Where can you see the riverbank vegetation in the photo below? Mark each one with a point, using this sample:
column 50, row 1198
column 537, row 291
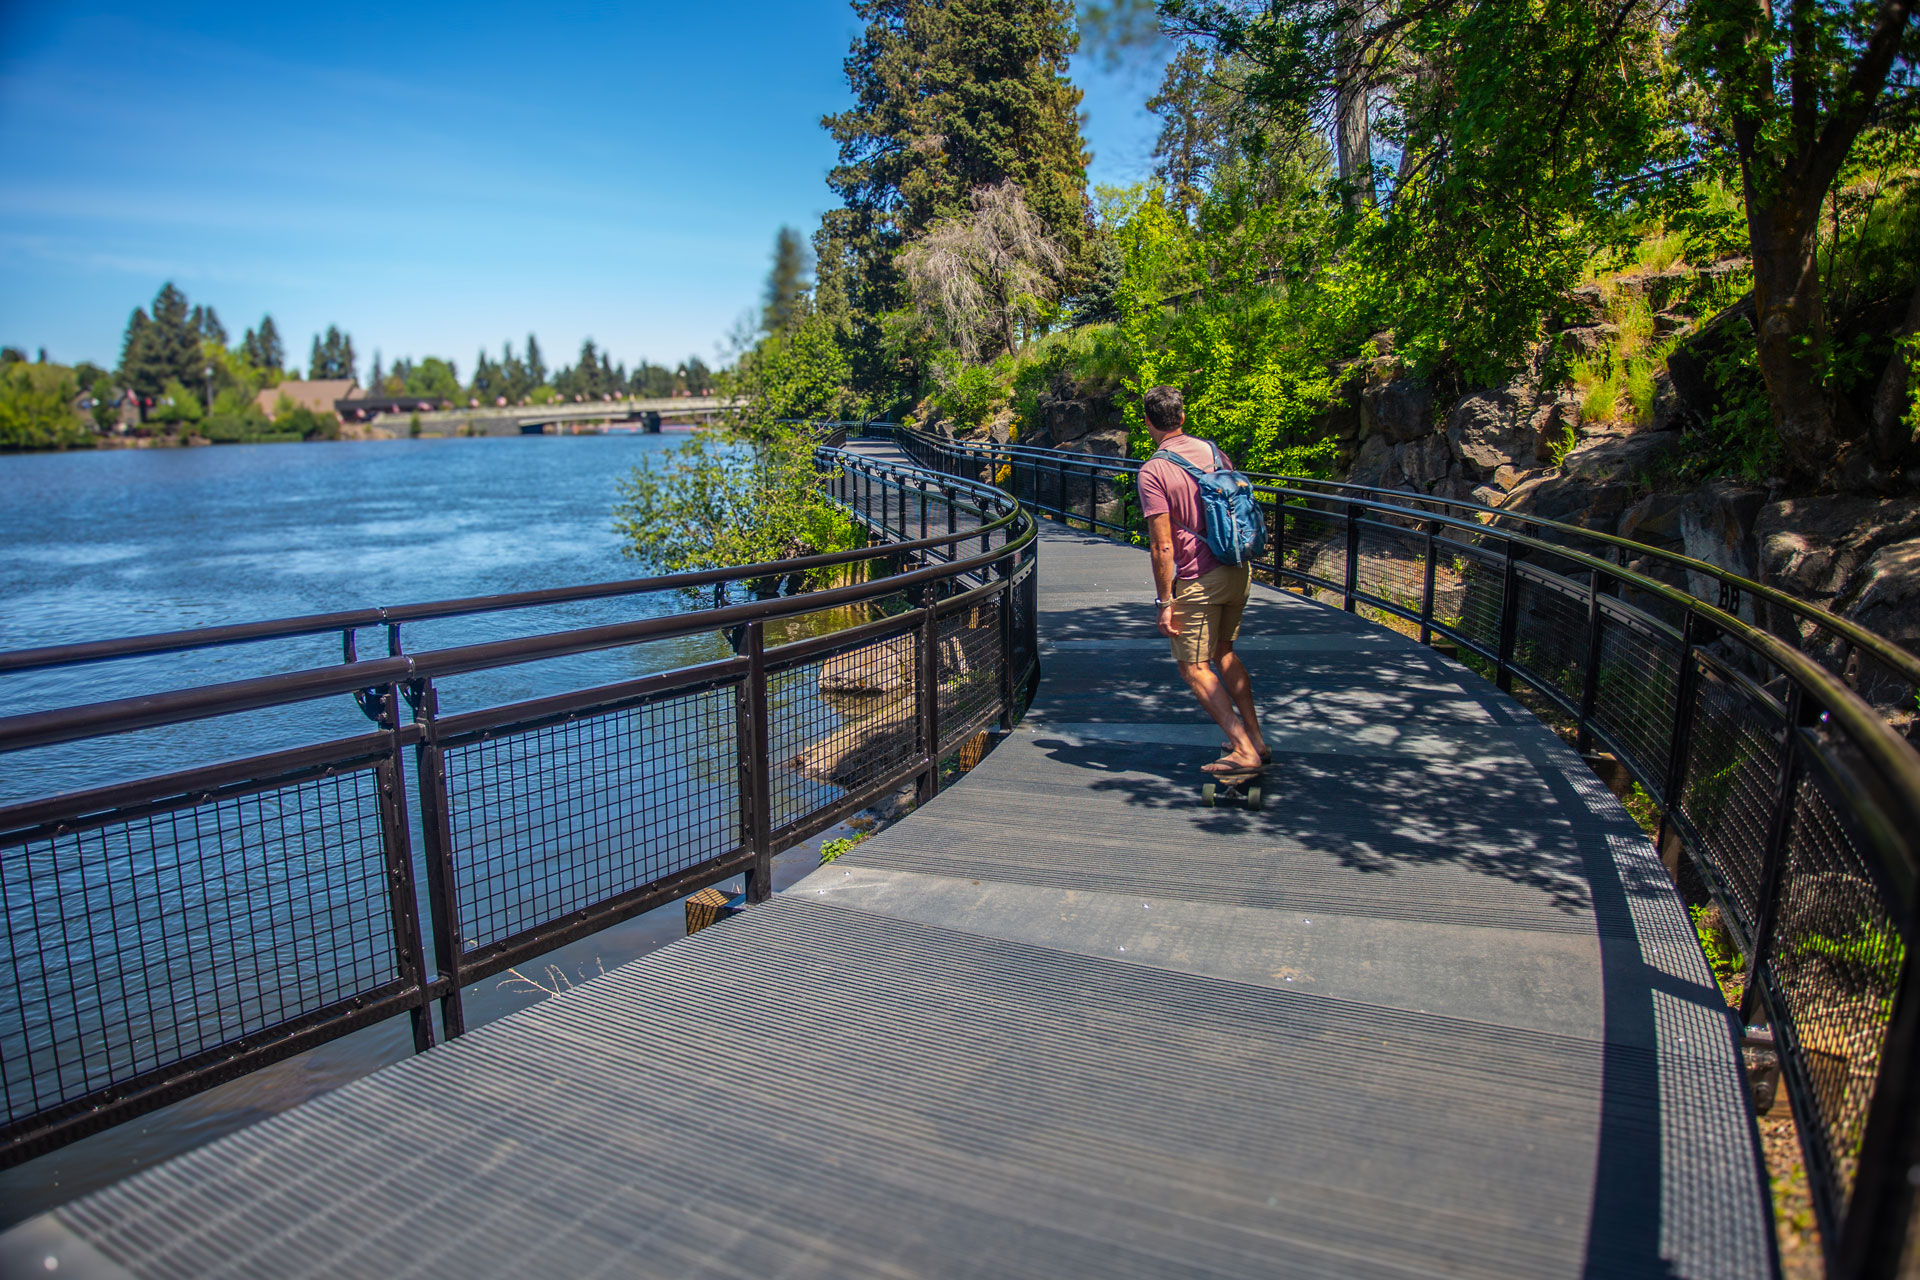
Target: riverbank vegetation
column 1352, row 194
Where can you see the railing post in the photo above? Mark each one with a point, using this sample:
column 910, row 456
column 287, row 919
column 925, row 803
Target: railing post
column 1006, row 646
column 756, row 790
column 1509, row 620
column 1352, row 577
column 1426, row 590
column 401, row 906
column 1682, row 730
column 927, row 786
column 1590, row 678
column 436, row 828
column 921, row 485
column 953, row 522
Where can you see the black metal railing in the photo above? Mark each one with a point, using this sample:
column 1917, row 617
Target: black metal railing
column 1742, row 713
column 168, row 933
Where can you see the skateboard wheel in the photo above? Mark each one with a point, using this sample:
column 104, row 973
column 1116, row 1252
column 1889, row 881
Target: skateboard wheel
column 1253, row 797
column 1209, row 794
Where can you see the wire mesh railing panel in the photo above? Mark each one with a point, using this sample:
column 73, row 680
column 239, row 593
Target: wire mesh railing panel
column 1314, row 543
column 138, row 943
column 969, row 655
column 1728, row 795
column 1638, row 684
column 1391, row 566
column 840, row 725
column 1467, row 588
column 1834, row 964
column 554, row 819
column 1550, row 630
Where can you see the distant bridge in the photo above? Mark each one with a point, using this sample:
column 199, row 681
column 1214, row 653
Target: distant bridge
column 528, row 419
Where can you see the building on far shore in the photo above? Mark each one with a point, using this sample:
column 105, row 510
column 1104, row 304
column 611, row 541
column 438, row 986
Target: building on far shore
column 318, row 396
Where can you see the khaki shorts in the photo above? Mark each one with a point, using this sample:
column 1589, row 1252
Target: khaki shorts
column 1208, row 609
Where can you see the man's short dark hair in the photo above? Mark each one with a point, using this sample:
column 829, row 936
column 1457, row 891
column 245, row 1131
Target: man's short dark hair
column 1165, row 407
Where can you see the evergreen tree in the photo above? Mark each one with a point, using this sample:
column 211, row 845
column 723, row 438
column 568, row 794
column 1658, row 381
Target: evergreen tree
column 162, row 347
column 377, row 378
column 139, row 366
column 787, row 283
column 536, row 366
column 332, row 356
column 948, row 98
column 264, row 348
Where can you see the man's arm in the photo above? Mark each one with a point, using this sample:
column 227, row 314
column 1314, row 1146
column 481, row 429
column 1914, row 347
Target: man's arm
column 1160, row 543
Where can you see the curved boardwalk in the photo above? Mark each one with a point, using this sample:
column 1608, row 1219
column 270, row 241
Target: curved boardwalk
column 1434, row 1011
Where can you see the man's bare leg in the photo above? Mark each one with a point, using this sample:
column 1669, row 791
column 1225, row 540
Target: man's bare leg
column 1243, row 752
column 1239, row 687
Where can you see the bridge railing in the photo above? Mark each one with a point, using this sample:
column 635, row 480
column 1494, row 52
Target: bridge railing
column 1794, row 798
column 171, row 932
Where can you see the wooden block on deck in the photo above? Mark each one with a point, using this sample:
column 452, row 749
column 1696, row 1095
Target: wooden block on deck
column 710, row 906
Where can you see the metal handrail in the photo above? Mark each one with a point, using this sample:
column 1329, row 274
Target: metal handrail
column 1840, row 787
column 59, row 1084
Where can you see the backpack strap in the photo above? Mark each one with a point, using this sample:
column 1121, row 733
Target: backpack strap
column 1191, row 470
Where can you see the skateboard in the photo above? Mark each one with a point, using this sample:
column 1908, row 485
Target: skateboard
column 1242, row 789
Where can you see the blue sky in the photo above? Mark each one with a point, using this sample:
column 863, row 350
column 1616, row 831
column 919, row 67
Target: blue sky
column 432, row 180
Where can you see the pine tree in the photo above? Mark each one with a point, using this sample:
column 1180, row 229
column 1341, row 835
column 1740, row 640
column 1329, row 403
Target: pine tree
column 787, row 283
column 174, row 338
column 536, row 366
column 377, row 377
column 332, row 356
column 271, row 353
column 211, row 329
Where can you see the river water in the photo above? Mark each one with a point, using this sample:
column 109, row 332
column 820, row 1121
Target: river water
column 127, row 542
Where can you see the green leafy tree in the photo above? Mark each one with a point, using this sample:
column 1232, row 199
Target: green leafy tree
column 983, row 274
column 434, row 377
column 1792, row 88
column 36, row 407
column 719, row 500
column 800, row 374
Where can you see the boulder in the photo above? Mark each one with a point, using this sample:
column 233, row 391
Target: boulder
column 1548, row 428
column 1102, row 442
column 1617, row 458
column 1688, row 363
column 1655, row 520
column 1400, row 410
column 1487, row 431
column 1377, row 465
column 1585, row 305
column 1575, row 501
column 1424, row 462
column 1716, row 525
column 1065, row 420
column 1589, row 340
column 1507, row 478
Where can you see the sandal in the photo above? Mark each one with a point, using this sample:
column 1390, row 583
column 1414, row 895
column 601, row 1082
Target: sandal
column 1234, row 773
column 1266, row 754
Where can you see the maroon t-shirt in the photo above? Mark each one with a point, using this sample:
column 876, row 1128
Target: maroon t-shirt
column 1167, row 490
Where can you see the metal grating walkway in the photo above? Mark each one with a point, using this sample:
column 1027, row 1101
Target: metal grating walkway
column 1434, row 1011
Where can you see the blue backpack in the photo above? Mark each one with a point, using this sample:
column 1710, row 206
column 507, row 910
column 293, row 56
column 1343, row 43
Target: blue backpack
column 1231, row 522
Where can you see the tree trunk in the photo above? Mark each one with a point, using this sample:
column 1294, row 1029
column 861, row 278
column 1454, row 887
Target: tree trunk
column 1891, row 434
column 1791, row 329
column 1352, row 139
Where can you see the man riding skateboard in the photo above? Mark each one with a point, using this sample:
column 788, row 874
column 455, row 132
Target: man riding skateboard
column 1199, row 599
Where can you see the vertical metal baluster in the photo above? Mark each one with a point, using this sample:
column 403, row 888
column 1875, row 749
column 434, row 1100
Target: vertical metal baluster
column 1509, row 619
column 1674, row 783
column 1773, row 858
column 1426, row 592
column 408, row 954
column 1353, row 556
column 1006, row 569
column 756, row 796
column 1880, row 1212
column 436, row 829
column 921, row 485
column 1590, row 678
column 928, row 784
